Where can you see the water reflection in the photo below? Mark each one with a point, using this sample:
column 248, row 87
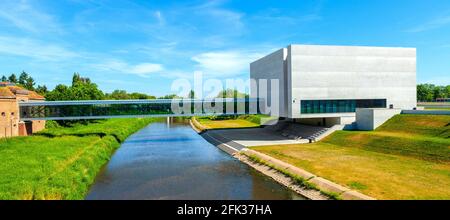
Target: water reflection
column 165, row 161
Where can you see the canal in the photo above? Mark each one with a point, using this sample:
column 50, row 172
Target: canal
column 171, row 161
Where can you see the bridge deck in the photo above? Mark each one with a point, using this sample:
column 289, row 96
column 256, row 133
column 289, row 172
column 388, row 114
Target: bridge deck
column 100, row 109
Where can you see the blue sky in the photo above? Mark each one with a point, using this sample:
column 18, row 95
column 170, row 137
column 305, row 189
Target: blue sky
column 143, row 46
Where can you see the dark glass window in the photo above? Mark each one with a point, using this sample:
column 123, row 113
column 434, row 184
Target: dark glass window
column 122, row 108
column 342, row 105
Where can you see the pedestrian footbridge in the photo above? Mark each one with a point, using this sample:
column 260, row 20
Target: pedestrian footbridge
column 101, row 109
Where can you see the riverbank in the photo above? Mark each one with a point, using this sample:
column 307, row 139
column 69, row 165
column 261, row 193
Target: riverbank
column 278, row 171
column 61, row 162
column 287, row 179
column 246, row 156
column 406, row 158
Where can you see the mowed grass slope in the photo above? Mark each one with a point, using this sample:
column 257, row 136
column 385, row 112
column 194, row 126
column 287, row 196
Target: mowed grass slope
column 424, row 137
column 60, row 163
column 428, row 125
column 226, row 123
column 243, row 121
column 406, row 158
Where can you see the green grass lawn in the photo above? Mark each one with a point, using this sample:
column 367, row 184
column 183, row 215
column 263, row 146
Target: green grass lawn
column 425, row 137
column 60, row 163
column 437, row 109
column 406, row 158
column 244, row 121
column 229, row 123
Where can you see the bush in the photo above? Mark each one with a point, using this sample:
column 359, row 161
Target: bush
column 51, row 124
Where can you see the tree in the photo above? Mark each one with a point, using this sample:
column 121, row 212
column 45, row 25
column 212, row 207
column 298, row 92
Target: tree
column 81, row 89
column 425, row 92
column 86, row 91
column 4, row 79
column 170, row 96
column 439, row 92
column 136, row 95
column 122, row 94
column 117, row 95
column 42, row 89
column 447, row 91
column 59, row 93
column 12, row 78
column 430, row 92
column 23, row 78
column 77, row 79
column 191, row 94
column 29, row 83
column 231, row 93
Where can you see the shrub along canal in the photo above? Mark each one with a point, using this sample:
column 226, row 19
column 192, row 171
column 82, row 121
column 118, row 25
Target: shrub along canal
column 171, row 161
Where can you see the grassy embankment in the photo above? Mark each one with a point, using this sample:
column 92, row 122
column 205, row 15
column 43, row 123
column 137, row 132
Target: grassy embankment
column 61, row 162
column 406, row 158
column 437, row 109
column 244, row 121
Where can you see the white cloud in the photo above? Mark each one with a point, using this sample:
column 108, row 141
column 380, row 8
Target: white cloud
column 226, row 17
column 142, row 69
column 34, row 49
column 145, row 68
column 279, row 17
column 159, row 17
column 434, row 24
column 24, row 16
column 225, row 63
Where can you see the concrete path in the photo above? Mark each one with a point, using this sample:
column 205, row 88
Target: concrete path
column 254, row 137
column 235, row 149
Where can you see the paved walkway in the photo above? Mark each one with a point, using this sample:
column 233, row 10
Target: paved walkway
column 252, row 137
column 234, row 141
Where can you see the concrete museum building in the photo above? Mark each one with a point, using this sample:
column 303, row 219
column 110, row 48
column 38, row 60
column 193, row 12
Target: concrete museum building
column 329, row 85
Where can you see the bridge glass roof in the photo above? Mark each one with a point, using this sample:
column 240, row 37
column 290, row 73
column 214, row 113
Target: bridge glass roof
column 98, row 109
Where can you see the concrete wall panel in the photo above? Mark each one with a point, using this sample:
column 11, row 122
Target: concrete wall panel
column 340, row 72
column 370, row 119
column 272, row 67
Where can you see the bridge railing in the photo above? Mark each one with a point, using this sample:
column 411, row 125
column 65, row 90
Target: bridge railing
column 100, row 109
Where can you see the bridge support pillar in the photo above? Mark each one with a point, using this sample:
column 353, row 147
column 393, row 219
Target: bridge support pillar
column 169, row 121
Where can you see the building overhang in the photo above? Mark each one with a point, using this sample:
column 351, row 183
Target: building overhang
column 328, row 115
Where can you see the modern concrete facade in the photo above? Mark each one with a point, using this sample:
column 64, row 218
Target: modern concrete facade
column 369, row 119
column 316, row 81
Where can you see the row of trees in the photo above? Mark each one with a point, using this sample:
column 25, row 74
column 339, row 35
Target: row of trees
column 83, row 89
column 26, row 81
column 122, row 94
column 226, row 93
column 430, row 92
column 425, row 93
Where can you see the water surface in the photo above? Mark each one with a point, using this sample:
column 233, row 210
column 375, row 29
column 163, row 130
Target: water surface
column 171, row 161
